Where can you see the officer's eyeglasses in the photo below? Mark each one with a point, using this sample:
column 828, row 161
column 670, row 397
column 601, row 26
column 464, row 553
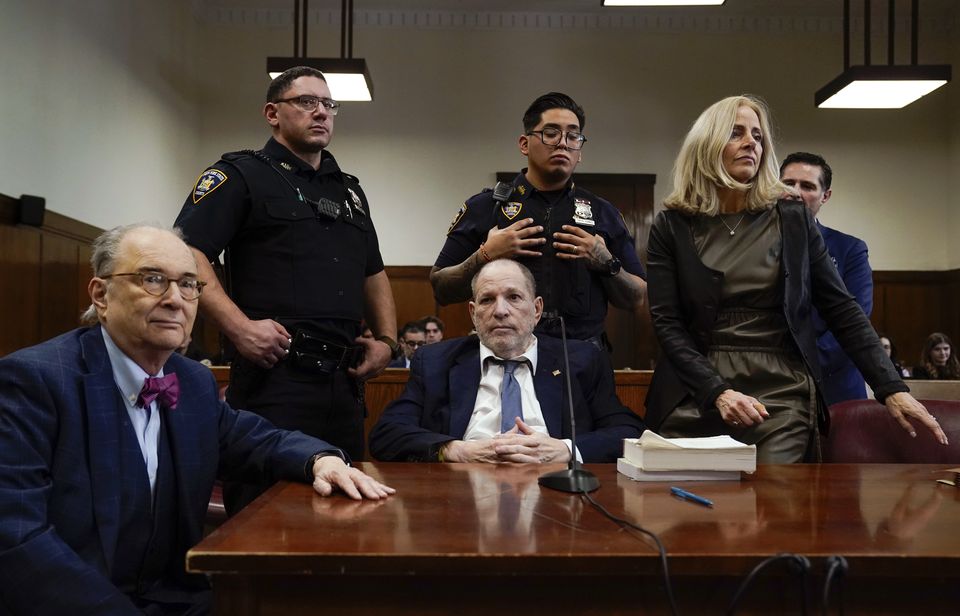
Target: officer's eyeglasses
column 553, row 136
column 157, row 284
column 310, row 103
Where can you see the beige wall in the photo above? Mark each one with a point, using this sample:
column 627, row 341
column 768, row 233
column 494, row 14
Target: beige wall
column 447, row 114
column 97, row 109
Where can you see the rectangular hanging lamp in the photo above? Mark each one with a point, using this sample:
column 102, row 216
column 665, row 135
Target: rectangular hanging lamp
column 881, row 86
column 347, row 77
column 662, row 2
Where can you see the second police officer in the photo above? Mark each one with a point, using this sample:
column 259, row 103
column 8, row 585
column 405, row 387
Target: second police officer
column 575, row 243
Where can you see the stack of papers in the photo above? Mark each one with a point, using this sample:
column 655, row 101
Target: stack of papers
column 714, row 458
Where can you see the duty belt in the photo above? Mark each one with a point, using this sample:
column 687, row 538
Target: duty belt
column 312, row 353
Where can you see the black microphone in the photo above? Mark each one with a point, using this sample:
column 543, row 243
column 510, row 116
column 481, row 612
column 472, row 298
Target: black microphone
column 575, row 478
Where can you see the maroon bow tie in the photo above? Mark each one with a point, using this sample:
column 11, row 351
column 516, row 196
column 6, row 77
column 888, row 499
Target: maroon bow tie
column 165, row 390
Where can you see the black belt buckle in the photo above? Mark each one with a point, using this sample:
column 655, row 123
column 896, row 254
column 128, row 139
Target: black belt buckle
column 313, row 354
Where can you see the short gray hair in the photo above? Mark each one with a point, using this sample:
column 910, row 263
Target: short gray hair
column 106, row 248
column 531, row 284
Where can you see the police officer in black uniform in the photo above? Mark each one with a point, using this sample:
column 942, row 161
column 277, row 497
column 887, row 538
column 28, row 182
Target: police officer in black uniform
column 590, row 260
column 302, row 269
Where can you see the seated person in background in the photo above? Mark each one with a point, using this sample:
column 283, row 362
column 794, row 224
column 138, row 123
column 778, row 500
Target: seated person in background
column 500, row 396
column 937, row 360
column 110, row 444
column 433, row 326
column 891, row 351
column 412, row 337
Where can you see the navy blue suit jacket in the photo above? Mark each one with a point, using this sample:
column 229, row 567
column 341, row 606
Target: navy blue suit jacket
column 60, row 429
column 841, row 379
column 398, row 362
column 438, row 401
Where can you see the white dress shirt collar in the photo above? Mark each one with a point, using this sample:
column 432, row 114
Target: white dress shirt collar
column 530, row 355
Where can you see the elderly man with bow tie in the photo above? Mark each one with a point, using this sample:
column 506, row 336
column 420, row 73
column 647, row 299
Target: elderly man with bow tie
column 110, row 444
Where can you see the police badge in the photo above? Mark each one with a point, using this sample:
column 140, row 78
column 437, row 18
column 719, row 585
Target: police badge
column 583, row 213
column 357, row 203
column 209, row 181
column 511, row 209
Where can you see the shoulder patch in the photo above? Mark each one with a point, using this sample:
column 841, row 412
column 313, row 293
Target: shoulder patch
column 456, row 219
column 511, row 209
column 209, row 181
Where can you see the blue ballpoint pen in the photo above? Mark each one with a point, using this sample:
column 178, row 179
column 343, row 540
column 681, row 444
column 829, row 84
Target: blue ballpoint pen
column 690, row 496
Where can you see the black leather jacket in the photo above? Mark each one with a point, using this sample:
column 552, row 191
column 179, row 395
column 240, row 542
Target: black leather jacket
column 685, row 296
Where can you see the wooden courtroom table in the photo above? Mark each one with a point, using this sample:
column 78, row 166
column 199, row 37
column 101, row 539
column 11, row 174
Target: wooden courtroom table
column 474, row 539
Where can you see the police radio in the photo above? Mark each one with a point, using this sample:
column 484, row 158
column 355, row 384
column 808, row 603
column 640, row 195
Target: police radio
column 502, row 192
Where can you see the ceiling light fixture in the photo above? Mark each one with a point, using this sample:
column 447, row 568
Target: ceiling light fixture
column 881, row 86
column 347, row 77
column 662, row 2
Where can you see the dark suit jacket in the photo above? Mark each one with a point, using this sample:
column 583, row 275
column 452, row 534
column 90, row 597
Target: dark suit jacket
column 841, row 379
column 60, row 428
column 438, row 401
column 398, row 362
column 685, row 297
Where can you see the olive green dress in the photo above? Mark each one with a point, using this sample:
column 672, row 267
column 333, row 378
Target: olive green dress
column 750, row 345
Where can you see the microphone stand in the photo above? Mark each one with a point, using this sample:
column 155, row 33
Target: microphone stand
column 575, row 479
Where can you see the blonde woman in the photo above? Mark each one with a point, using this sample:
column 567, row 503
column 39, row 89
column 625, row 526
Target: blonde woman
column 733, row 273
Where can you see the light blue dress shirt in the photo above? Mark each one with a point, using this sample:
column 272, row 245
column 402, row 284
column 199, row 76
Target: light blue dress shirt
column 129, row 378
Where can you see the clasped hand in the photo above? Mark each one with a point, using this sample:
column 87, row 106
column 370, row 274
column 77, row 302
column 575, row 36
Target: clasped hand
column 521, row 444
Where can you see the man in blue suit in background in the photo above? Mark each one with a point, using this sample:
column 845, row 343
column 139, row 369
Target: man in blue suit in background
column 110, row 444
column 811, row 176
column 500, row 396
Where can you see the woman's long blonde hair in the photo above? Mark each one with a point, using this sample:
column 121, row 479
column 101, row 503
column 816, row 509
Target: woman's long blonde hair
column 698, row 171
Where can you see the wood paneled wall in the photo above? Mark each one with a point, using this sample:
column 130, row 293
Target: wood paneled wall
column 909, row 306
column 43, row 276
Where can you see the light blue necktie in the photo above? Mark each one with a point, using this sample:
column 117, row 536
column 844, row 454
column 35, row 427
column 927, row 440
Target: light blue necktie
column 510, row 404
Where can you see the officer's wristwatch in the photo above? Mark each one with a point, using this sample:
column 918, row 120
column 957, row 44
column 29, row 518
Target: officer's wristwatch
column 612, row 267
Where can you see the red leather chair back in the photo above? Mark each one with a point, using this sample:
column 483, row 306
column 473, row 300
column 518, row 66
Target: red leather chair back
column 864, row 431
